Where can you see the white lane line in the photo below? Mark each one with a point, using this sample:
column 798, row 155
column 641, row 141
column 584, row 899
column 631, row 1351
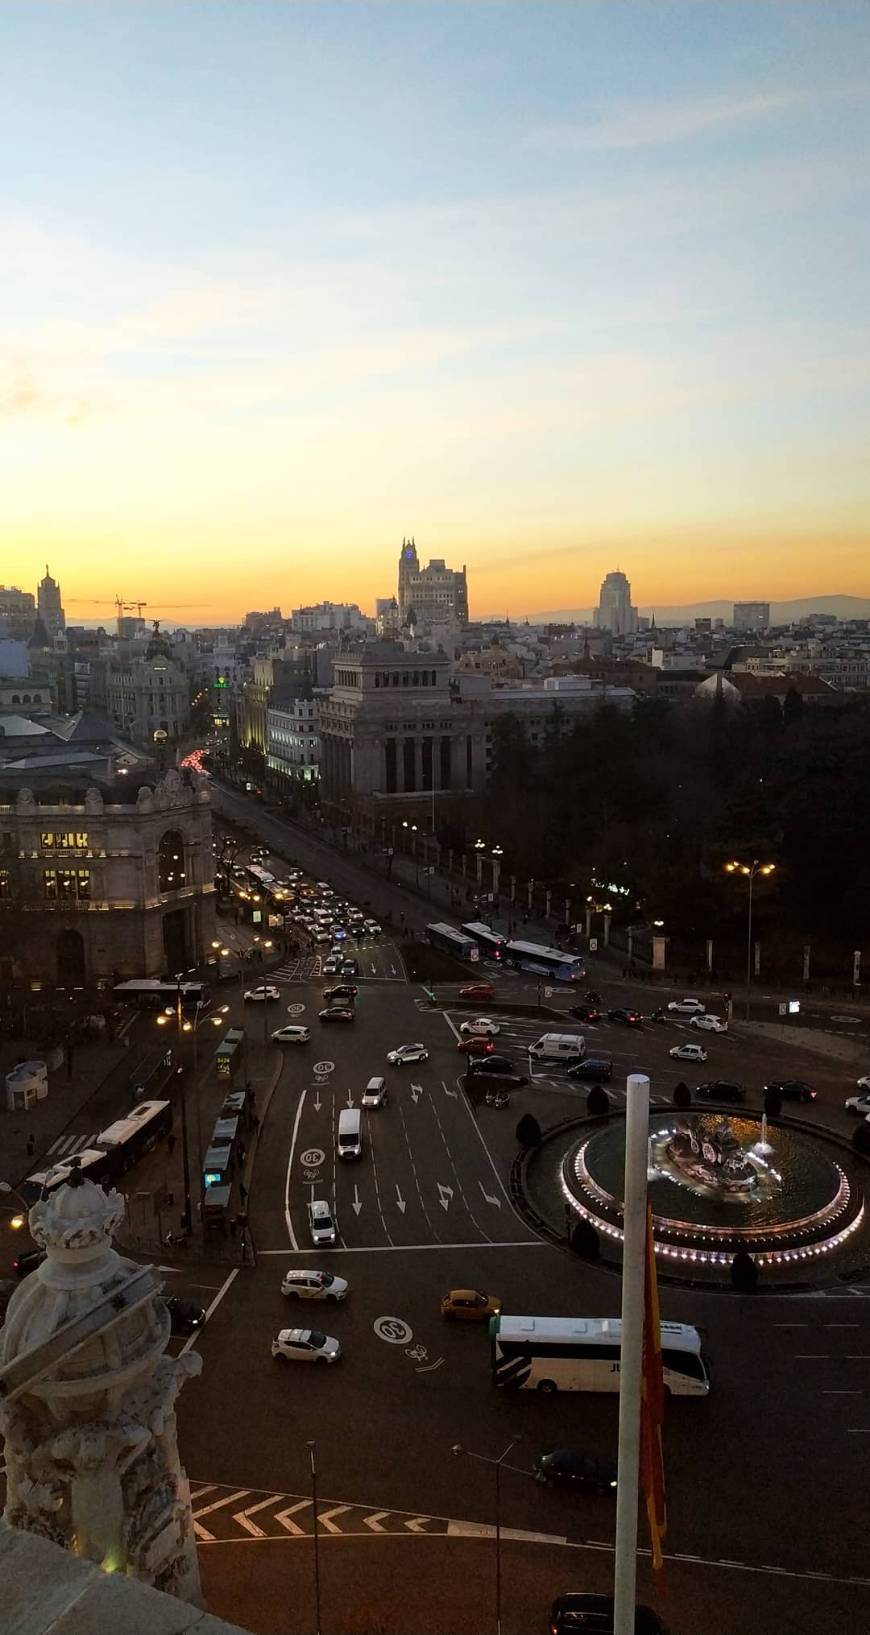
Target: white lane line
column 842, row 1393
column 398, row 1248
column 220, row 1504
column 432, row 1228
column 287, row 1216
column 454, row 1030
column 476, row 1127
column 841, row 1325
column 192, row 1338
column 375, row 1179
column 471, row 1215
column 201, row 1491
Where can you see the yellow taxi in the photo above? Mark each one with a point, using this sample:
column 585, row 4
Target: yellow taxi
column 470, row 1305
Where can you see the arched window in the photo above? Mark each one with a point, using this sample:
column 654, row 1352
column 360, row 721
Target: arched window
column 170, row 861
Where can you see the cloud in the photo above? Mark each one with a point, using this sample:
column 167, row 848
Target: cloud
column 653, row 124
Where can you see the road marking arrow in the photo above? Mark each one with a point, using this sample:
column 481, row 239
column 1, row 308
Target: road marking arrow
column 418, row 1525
column 488, row 1196
column 242, row 1516
column 357, row 1201
column 451, row 1093
column 317, row 1102
column 323, row 1519
column 429, row 1368
column 444, row 1195
column 416, row 1092
column 350, row 1098
column 283, row 1517
column 374, row 1522
column 400, row 1200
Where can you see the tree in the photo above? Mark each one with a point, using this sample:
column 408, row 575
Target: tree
column 528, row 1131
column 597, row 1101
column 744, row 1271
column 793, row 707
column 682, row 1095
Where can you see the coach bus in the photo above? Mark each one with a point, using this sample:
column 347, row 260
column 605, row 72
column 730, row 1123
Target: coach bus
column 583, row 1354
column 452, row 942
column 490, row 943
column 553, row 963
column 155, row 993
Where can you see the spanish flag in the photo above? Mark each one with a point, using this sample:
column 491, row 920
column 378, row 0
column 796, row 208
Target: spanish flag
column 652, row 1473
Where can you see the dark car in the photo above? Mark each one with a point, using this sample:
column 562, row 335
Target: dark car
column 495, row 1067
column 341, row 990
column 349, row 967
column 27, row 1261
column 594, row 1614
column 337, row 1013
column 792, row 1089
column 596, row 1068
column 631, row 1019
column 185, row 1315
column 585, row 1013
column 721, row 1090
column 581, row 1472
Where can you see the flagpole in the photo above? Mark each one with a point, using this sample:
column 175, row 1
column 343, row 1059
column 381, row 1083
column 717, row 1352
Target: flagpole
column 631, row 1351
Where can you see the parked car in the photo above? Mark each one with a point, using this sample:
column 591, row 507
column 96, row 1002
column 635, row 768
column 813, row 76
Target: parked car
column 864, row 1083
column 496, row 1067
column 631, row 1019
column 477, row 990
column 320, row 1222
column 686, row 1007
column 341, row 990
column 585, row 1013
column 792, row 1089
column 470, row 1305
column 688, row 1053
column 185, row 1315
column 301, row 1285
column 598, row 1069
column 721, row 1090
column 481, row 1026
column 709, row 1023
column 859, row 1104
column 27, row 1261
column 579, row 1614
column 407, row 1053
column 266, row 992
column 305, row 1345
column 479, row 1046
column 337, row 1013
column 581, row 1472
column 292, row 1034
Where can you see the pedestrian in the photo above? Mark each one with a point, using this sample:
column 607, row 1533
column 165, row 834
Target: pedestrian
column 243, row 1193
column 31, row 1145
column 170, row 1142
column 242, row 1152
column 255, row 1120
column 233, row 1226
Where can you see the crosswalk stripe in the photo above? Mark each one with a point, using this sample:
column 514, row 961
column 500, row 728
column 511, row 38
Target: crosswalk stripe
column 55, row 1145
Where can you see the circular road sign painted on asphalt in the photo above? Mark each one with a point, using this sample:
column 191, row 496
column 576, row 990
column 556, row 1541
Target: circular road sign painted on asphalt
column 312, row 1157
column 295, row 1010
column 393, row 1329
column 323, row 1067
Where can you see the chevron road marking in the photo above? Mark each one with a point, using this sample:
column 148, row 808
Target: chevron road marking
column 417, row 1525
column 324, row 1517
column 243, row 1516
column 219, row 1504
column 374, row 1522
column 283, row 1517
column 202, row 1491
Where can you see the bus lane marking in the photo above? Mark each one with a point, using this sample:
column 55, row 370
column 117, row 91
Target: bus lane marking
column 450, row 1160
column 429, row 1223
column 287, row 1216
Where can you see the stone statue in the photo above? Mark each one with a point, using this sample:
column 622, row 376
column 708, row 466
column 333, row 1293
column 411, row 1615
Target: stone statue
column 89, row 1423
column 93, row 802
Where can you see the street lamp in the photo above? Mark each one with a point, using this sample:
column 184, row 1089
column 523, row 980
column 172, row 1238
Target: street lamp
column 184, row 1025
column 17, row 1221
column 311, row 1446
column 458, row 1450
column 750, row 870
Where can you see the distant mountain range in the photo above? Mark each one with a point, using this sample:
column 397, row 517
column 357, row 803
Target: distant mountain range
column 844, row 607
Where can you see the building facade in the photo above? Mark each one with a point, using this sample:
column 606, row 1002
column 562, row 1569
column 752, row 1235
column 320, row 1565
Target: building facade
column 751, row 615
column 614, row 611
column 149, row 699
column 433, row 595
column 17, row 612
column 292, row 740
column 49, row 605
column 92, row 890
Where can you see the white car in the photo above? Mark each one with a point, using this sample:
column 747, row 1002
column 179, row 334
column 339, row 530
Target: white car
column 320, row 1222
column 688, row 1053
column 373, row 928
column 375, row 1093
column 291, row 1035
column 258, row 995
column 332, row 965
column 300, row 1285
column 709, row 1023
column 864, row 1084
column 859, row 1104
column 407, row 1053
column 686, row 1007
column 305, row 1345
column 483, row 1027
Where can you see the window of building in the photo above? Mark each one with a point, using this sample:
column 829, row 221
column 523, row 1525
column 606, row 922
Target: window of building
column 66, row 840
column 67, row 885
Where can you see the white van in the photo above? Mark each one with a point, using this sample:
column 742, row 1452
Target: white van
column 350, row 1135
column 556, row 1047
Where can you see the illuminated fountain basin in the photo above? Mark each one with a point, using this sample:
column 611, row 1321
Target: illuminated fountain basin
column 716, row 1187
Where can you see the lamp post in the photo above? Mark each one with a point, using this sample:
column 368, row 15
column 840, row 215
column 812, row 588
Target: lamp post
column 184, row 1025
column 479, row 847
column 458, row 1450
column 497, row 855
column 311, row 1453
column 750, row 870
column 17, row 1221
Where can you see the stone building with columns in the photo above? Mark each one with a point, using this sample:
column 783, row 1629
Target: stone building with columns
column 92, row 885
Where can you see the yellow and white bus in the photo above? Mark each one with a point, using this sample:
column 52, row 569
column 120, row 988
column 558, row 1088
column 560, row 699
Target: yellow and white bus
column 583, row 1354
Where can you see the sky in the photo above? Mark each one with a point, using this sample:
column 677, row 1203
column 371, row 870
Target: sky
column 553, row 288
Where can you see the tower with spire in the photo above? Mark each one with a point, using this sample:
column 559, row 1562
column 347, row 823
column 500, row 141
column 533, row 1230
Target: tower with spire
column 49, row 605
column 409, row 567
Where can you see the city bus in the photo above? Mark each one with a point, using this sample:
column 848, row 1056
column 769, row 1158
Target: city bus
column 129, row 1138
column 452, row 942
column 155, row 993
column 553, row 963
column 583, row 1353
column 230, row 1054
column 92, row 1162
column 490, row 943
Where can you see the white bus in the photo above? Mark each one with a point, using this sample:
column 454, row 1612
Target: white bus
column 582, row 1354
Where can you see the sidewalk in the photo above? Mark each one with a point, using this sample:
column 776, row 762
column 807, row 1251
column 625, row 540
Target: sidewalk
column 94, row 1066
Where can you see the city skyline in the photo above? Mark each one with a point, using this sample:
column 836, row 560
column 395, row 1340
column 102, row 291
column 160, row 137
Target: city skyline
column 298, row 281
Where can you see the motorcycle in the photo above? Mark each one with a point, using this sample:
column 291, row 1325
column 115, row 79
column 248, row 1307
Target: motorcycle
column 497, row 1098
column 592, row 997
column 659, row 1015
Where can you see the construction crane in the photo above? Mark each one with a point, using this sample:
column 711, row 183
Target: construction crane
column 121, row 607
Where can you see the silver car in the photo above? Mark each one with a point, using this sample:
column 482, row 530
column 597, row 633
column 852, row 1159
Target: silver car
column 301, row 1285
column 305, row 1345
